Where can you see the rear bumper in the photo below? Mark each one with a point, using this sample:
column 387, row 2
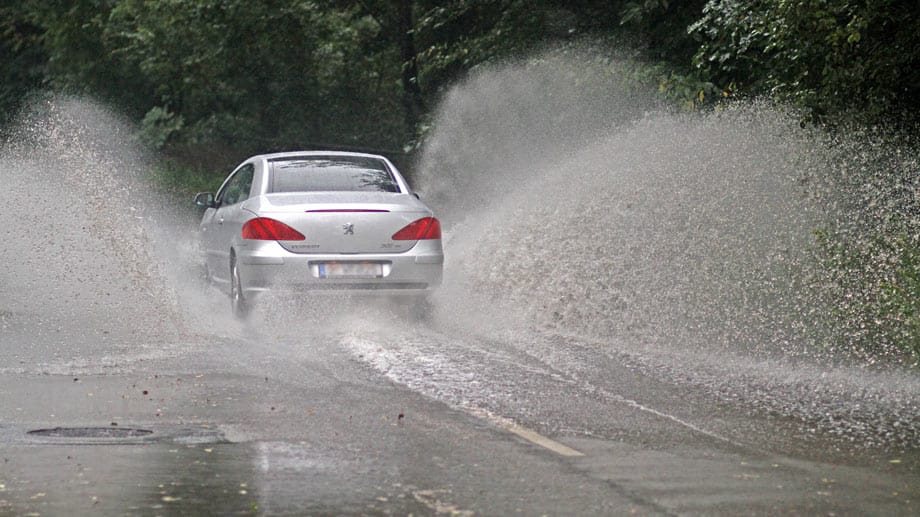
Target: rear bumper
column 266, row 266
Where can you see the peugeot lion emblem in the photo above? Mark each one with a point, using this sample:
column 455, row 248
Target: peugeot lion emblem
column 349, row 228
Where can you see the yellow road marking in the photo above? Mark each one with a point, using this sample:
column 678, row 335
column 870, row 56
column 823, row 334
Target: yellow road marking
column 531, row 436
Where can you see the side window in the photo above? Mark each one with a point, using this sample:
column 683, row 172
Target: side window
column 237, row 189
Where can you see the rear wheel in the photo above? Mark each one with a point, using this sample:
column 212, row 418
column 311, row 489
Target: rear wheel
column 238, row 301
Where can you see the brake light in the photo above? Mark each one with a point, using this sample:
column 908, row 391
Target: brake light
column 265, row 229
column 424, row 228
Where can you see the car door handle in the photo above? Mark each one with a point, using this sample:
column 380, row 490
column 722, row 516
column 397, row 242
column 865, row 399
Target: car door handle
column 220, row 221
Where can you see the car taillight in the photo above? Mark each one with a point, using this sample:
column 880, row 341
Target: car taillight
column 265, row 229
column 425, row 228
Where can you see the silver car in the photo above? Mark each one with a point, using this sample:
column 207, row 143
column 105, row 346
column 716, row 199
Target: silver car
column 319, row 221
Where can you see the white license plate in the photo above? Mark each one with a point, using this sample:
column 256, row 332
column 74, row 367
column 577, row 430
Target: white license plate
column 348, row 270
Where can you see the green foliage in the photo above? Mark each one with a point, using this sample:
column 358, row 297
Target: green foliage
column 456, row 38
column 79, row 61
column 183, row 181
column 281, row 75
column 834, row 59
column 158, row 126
column 252, row 76
column 634, row 12
column 23, row 61
column 688, row 91
column 661, row 27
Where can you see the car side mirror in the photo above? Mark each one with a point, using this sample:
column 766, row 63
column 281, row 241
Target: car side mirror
column 205, row 199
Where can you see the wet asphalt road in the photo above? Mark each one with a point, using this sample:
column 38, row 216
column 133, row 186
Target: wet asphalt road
column 266, row 419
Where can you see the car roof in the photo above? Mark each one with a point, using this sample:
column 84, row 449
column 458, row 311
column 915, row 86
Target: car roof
column 295, row 154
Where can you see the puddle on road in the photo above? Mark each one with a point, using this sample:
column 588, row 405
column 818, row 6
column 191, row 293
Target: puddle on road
column 161, row 477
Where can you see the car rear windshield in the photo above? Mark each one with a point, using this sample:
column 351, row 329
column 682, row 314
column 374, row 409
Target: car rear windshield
column 331, row 174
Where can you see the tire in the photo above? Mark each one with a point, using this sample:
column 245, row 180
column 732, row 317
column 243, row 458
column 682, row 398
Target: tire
column 238, row 302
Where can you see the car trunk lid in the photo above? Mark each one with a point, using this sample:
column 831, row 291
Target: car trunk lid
column 359, row 223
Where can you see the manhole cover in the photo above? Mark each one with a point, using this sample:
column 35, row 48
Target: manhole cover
column 144, row 434
column 90, row 432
